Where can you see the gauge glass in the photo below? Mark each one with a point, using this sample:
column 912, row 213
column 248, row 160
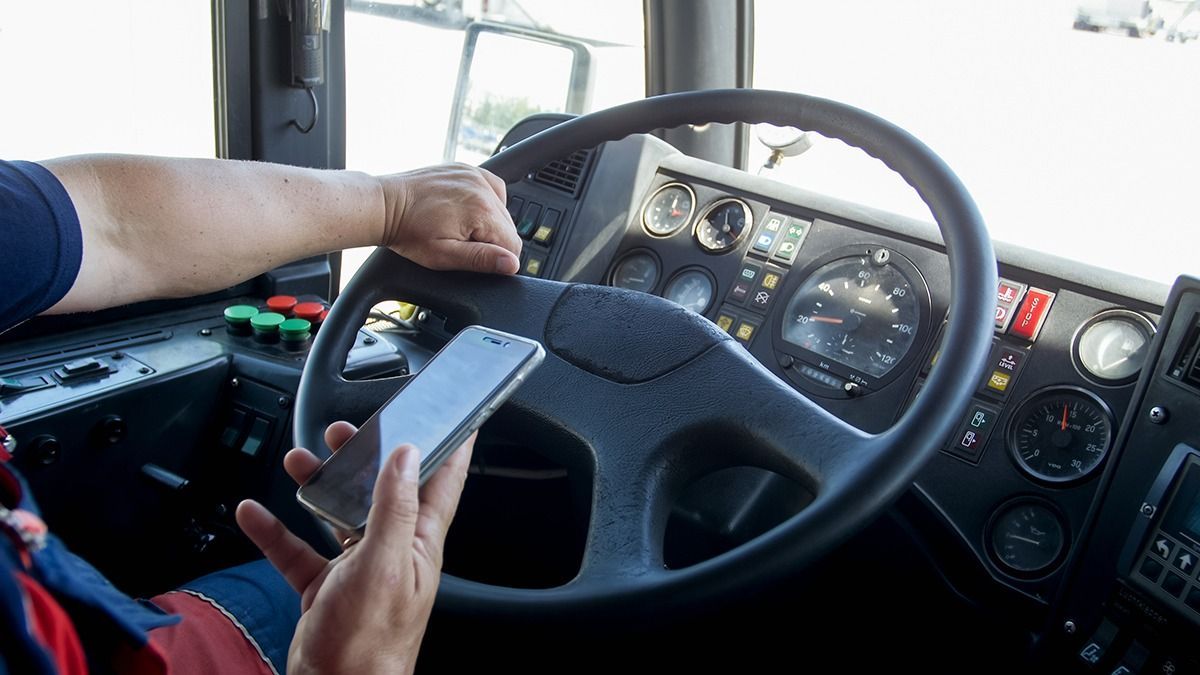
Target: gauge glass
column 1027, row 537
column 1113, row 346
column 1061, row 435
column 722, row 225
column 691, row 288
column 855, row 312
column 637, row 272
column 669, row 209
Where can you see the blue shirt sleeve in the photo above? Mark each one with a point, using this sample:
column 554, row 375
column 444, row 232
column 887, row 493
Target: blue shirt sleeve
column 41, row 244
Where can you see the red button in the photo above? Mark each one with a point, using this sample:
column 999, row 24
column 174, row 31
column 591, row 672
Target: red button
column 1028, row 322
column 309, row 310
column 284, row 304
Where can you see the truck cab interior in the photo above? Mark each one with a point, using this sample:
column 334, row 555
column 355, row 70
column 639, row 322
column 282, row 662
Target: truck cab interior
column 817, row 394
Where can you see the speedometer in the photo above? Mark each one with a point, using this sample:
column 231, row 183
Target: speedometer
column 860, row 312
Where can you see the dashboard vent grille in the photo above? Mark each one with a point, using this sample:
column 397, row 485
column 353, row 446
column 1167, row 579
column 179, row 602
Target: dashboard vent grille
column 1187, row 363
column 565, row 174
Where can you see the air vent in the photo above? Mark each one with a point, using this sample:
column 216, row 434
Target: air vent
column 566, row 174
column 1187, row 363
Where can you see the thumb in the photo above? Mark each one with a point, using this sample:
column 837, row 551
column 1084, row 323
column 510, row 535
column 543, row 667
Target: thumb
column 392, row 521
column 478, row 256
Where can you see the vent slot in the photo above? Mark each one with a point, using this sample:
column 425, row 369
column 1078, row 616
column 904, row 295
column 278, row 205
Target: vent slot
column 78, row 350
column 1187, row 363
column 566, row 174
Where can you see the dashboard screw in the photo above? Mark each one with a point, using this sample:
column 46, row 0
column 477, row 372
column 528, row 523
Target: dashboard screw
column 235, row 383
column 1069, row 627
column 144, row 370
column 117, row 356
column 284, row 402
column 369, row 341
column 205, row 332
column 1159, row 415
column 1147, row 510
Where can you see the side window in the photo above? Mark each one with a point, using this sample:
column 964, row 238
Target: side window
column 406, row 106
column 86, row 76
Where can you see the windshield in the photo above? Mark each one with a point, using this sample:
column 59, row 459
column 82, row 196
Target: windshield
column 1074, row 124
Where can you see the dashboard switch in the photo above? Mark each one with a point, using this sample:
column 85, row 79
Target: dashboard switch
column 792, row 238
column 1028, row 321
column 281, row 304
column 529, row 220
column 769, row 233
column 533, row 265
column 745, row 282
column 259, row 430
column 1008, row 294
column 81, row 369
column 1099, row 644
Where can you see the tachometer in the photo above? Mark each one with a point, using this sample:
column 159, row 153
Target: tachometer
column 1061, row 434
column 861, row 312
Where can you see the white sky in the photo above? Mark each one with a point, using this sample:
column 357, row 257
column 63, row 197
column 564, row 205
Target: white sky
column 1086, row 145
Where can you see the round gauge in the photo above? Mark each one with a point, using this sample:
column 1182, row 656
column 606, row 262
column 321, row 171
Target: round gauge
column 857, row 312
column 1061, row 434
column 1027, row 537
column 637, row 271
column 721, row 225
column 1111, row 347
column 669, row 208
column 692, row 288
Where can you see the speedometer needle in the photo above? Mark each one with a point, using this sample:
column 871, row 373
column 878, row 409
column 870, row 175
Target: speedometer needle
column 828, row 319
column 1064, row 422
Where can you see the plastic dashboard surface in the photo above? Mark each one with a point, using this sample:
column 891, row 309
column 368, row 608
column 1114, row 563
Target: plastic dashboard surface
column 640, row 220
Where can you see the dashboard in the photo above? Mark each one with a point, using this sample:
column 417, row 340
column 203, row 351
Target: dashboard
column 847, row 304
column 1068, row 496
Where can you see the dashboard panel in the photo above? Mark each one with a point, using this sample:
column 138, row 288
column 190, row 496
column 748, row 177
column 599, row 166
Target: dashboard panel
column 847, row 304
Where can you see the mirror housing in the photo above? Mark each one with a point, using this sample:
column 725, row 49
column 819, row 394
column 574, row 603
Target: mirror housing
column 480, row 115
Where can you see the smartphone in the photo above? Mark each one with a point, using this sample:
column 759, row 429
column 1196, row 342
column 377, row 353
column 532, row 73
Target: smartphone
column 443, row 404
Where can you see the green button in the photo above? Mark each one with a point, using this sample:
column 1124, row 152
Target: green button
column 267, row 322
column 240, row 313
column 295, row 329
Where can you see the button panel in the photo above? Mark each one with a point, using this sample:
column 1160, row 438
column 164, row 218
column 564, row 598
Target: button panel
column 1008, row 294
column 770, row 231
column 746, row 281
column 973, row 432
column 793, row 238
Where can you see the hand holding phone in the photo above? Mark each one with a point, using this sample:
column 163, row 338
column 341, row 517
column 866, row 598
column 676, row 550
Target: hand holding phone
column 439, row 407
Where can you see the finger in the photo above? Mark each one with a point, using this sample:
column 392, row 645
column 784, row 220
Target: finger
column 295, row 560
column 499, row 230
column 338, row 433
column 497, row 184
column 476, row 256
column 392, row 519
column 440, row 496
column 300, row 464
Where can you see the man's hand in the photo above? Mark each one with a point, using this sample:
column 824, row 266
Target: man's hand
column 450, row 217
column 365, row 611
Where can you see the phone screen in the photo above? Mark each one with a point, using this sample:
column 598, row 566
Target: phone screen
column 436, row 405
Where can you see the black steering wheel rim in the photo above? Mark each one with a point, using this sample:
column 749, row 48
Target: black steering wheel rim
column 853, row 475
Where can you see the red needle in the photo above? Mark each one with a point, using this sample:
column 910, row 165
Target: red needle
column 828, row 319
column 1064, row 422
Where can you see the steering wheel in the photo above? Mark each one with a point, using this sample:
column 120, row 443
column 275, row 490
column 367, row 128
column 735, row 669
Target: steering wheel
column 613, row 356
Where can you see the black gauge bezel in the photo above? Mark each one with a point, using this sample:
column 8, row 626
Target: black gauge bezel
column 1022, row 412
column 712, row 283
column 1005, row 508
column 742, row 236
column 650, row 200
column 1116, row 313
column 866, row 384
column 610, row 277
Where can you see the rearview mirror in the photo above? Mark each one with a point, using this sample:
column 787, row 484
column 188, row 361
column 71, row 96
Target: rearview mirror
column 506, row 74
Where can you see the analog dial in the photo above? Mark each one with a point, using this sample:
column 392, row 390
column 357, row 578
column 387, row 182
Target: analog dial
column 1027, row 537
column 1112, row 346
column 669, row 209
column 1061, row 435
column 722, row 225
column 637, row 271
column 855, row 312
column 692, row 289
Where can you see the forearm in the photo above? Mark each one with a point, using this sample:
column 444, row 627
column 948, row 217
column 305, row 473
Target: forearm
column 158, row 227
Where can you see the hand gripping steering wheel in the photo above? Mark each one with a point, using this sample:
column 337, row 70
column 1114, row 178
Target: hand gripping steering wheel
column 613, row 356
